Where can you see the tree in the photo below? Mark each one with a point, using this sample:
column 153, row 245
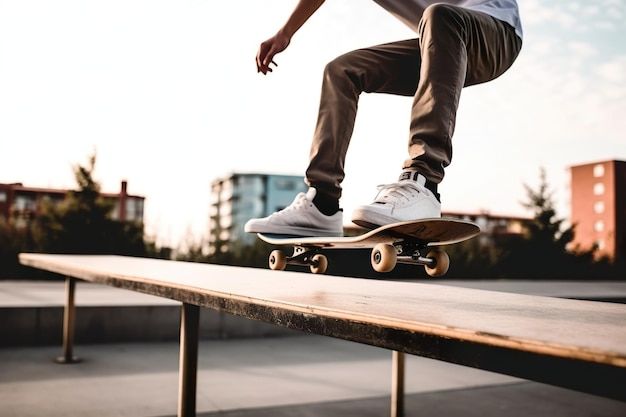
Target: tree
column 545, row 230
column 83, row 223
column 15, row 237
column 542, row 252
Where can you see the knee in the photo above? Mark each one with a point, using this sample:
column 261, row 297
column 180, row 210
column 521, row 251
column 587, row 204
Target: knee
column 357, row 71
column 338, row 67
column 343, row 73
column 438, row 16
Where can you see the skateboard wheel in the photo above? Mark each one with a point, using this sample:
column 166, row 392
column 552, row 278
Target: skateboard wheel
column 441, row 263
column 384, row 257
column 319, row 264
column 277, row 260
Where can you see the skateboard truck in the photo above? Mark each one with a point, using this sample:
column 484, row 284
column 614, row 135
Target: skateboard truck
column 384, row 258
column 302, row 255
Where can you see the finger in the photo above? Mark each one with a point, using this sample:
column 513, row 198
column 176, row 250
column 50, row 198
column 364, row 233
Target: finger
column 259, row 63
column 265, row 68
column 261, row 58
column 269, row 56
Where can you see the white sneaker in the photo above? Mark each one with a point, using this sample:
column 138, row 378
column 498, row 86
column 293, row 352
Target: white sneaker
column 300, row 218
column 405, row 200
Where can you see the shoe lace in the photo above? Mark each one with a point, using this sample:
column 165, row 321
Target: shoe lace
column 398, row 192
column 298, row 203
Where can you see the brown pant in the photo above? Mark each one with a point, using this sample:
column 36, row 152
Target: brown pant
column 456, row 48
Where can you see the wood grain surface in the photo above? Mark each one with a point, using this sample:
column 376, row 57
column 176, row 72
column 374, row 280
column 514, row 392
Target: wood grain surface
column 572, row 343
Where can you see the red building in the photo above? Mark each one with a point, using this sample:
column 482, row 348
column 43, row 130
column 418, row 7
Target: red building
column 20, row 202
column 598, row 193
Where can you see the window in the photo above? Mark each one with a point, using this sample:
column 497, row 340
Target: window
column 598, row 207
column 226, row 222
column 287, row 184
column 598, row 226
column 227, row 191
column 598, row 189
column 24, row 202
column 115, row 214
column 598, row 170
column 134, row 209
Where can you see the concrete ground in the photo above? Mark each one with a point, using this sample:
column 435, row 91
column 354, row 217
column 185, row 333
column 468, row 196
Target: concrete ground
column 300, row 375
column 287, row 376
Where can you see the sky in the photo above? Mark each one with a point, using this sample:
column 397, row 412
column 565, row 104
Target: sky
column 166, row 94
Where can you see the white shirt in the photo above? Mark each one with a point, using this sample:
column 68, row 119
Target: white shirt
column 410, row 11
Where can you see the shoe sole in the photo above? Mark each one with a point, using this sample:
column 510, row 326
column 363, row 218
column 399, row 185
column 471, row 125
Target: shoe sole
column 296, row 231
column 373, row 220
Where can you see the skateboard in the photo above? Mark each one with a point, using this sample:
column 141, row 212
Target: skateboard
column 411, row 242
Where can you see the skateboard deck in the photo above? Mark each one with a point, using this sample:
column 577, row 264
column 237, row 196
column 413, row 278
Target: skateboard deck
column 411, row 242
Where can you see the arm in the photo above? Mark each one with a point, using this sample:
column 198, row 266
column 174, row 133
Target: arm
column 280, row 41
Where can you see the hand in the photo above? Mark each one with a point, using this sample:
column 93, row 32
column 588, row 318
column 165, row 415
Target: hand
column 267, row 50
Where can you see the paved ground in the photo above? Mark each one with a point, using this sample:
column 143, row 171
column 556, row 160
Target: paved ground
column 291, row 376
column 302, row 376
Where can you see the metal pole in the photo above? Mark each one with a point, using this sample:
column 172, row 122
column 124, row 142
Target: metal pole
column 68, row 323
column 397, row 384
column 188, row 372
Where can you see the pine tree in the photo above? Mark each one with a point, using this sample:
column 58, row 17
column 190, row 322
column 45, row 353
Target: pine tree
column 542, row 252
column 546, row 231
column 83, row 224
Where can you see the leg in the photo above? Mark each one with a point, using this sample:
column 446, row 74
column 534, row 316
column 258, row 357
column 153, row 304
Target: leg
column 68, row 323
column 188, row 372
column 397, row 384
column 458, row 47
column 391, row 68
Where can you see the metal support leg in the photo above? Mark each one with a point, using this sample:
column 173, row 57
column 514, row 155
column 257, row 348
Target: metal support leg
column 188, row 372
column 397, row 384
column 68, row 323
